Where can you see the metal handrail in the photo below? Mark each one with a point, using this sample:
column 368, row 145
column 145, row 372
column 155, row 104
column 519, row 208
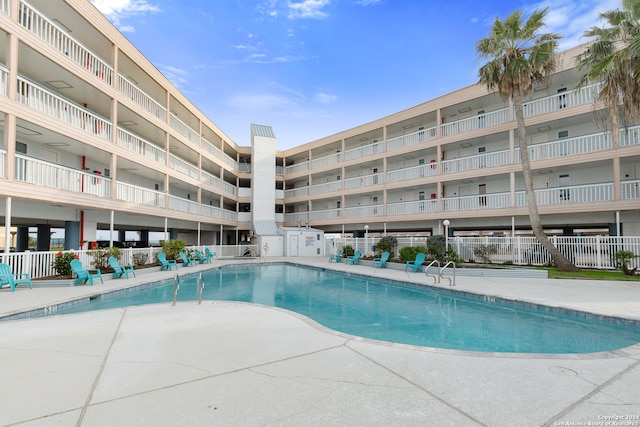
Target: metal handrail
column 454, row 273
column 200, row 288
column 176, row 288
column 436, row 279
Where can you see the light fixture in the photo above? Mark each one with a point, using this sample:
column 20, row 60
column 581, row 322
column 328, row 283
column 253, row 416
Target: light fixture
column 59, row 84
column 466, row 145
column 544, row 128
column 127, row 123
column 409, row 126
column 57, row 144
column 446, row 223
column 364, row 138
column 545, row 171
column 464, row 110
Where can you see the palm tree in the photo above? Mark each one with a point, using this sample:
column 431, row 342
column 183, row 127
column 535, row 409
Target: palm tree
column 613, row 60
column 519, row 56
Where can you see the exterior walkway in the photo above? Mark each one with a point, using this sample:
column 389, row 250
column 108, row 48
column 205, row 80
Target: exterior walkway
column 237, row 364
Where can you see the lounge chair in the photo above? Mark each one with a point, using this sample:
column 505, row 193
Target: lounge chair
column 13, row 280
column 382, row 261
column 120, row 270
column 186, row 260
column 165, row 263
column 336, row 257
column 202, row 258
column 210, row 254
column 84, row 275
column 415, row 265
column 353, row 260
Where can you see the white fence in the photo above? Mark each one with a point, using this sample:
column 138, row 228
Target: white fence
column 40, row 264
column 597, row 252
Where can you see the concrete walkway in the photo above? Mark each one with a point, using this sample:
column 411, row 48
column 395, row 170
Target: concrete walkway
column 236, row 364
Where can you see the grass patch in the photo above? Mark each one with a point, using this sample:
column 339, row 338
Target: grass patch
column 591, row 274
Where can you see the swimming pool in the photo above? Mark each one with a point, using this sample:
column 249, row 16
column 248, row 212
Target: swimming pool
column 391, row 311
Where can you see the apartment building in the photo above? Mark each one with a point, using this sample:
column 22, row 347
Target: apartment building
column 94, row 138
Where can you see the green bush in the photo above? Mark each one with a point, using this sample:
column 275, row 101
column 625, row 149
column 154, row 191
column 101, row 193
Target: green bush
column 172, row 248
column 62, row 263
column 408, row 253
column 386, row 244
column 347, row 251
column 623, row 259
column 101, row 257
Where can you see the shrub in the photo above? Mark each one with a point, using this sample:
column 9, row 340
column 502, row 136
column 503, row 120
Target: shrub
column 347, row 251
column 623, row 258
column 62, row 263
column 172, row 248
column 140, row 259
column 484, row 252
column 386, row 244
column 101, row 257
column 408, row 253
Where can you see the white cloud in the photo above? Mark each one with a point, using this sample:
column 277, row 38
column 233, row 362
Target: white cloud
column 308, row 9
column 571, row 18
column 177, row 76
column 325, row 98
column 116, row 10
column 369, row 2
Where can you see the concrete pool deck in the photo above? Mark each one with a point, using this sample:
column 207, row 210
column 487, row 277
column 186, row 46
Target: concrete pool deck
column 224, row 363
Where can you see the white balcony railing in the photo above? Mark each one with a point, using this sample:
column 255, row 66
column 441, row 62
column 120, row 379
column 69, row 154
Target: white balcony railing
column 211, row 180
column 183, row 166
column 296, row 192
column 211, row 149
column 331, row 159
column 476, row 202
column 480, row 121
column 140, row 195
column 211, row 211
column 630, row 189
column 413, row 138
column 183, row 205
column 229, row 215
column 230, row 188
column 569, row 98
column 588, row 193
column 363, row 151
column 296, row 216
column 184, row 129
column 4, row 75
column 414, row 172
column 568, row 146
column 477, row 161
column 298, row 167
column 60, row 39
column 412, row 208
column 48, row 174
column 363, row 181
column 133, row 92
column 325, row 214
column 327, row 187
column 364, row 211
column 55, row 106
column 141, row 146
column 3, row 156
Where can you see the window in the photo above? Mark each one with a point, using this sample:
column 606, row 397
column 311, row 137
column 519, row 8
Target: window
column 482, row 190
column 564, row 182
column 482, row 160
column 562, row 146
column 562, row 98
column 481, row 118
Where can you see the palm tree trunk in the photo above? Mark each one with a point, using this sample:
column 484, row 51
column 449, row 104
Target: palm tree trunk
column 562, row 262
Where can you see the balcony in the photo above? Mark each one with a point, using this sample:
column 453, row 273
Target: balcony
column 183, row 166
column 328, row 187
column 139, row 195
column 588, row 193
column 364, row 211
column 363, row 181
column 60, row 40
column 413, row 138
column 331, row 159
column 412, row 208
column 296, row 216
column 477, row 161
column 363, row 151
column 135, row 144
column 567, row 99
column 325, row 214
column 476, row 202
column 296, row 192
column 414, row 172
column 48, row 174
column 480, row 121
column 47, row 102
column 630, row 189
column 133, row 92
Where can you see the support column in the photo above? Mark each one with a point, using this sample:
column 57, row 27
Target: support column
column 71, row 235
column 22, row 239
column 44, row 238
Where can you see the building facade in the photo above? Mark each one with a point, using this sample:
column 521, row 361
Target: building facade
column 94, row 138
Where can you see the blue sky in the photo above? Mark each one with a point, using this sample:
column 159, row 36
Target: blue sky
column 312, row 68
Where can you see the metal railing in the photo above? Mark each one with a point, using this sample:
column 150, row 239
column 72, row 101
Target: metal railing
column 365, row 150
column 137, row 95
column 413, row 138
column 477, row 161
column 480, row 121
column 139, row 195
column 561, row 100
column 413, row 172
column 138, row 145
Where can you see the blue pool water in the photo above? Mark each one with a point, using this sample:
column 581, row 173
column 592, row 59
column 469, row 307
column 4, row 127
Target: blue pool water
column 389, row 311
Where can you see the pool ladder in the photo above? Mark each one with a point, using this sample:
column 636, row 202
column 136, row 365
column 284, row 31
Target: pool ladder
column 437, row 278
column 176, row 288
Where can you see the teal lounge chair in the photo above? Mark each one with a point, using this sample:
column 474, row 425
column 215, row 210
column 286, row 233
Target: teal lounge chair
column 210, row 254
column 165, row 263
column 120, row 270
column 415, row 265
column 202, row 258
column 353, row 260
column 186, row 260
column 382, row 261
column 84, row 275
column 336, row 257
column 13, row 280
